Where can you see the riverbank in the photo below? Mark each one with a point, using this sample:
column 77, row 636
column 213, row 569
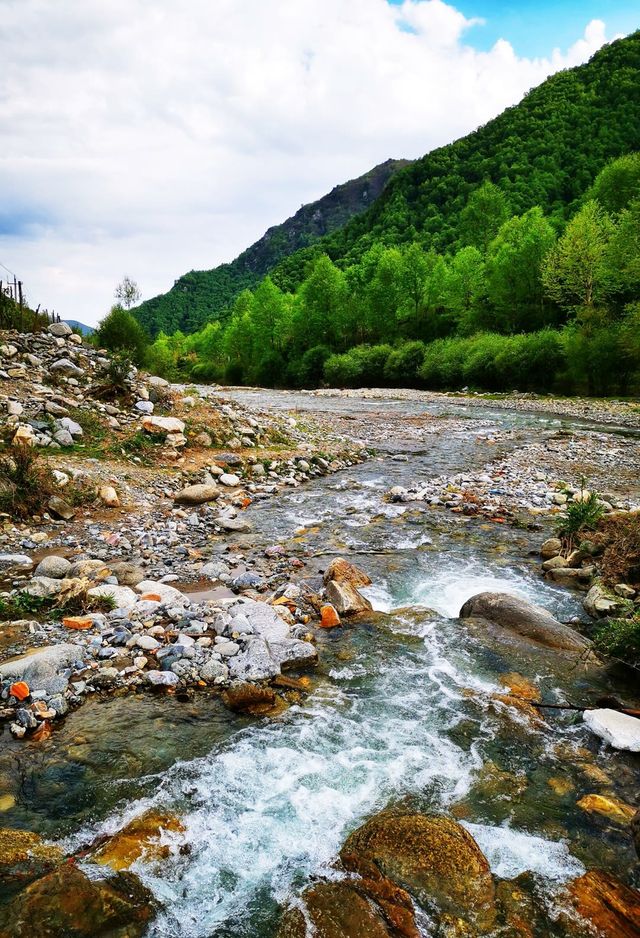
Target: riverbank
column 403, row 705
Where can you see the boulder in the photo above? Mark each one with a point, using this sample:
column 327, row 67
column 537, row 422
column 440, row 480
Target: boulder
column 60, row 329
column 162, row 678
column 604, row 905
column 154, row 424
column 254, row 663
column 197, row 494
column 551, row 548
column 24, row 436
column 598, row 602
column 43, row 587
column 60, row 508
column 54, row 567
column 618, row 729
column 168, row 594
column 214, row 671
column 127, row 573
column 524, row 618
column 293, row 653
column 67, row 904
column 40, row 668
column 108, row 496
column 432, row 857
column 263, row 620
column 140, row 837
column 122, row 596
column 67, row 368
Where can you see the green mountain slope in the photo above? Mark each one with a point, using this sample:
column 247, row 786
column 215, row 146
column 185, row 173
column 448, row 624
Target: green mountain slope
column 203, row 295
column 545, row 151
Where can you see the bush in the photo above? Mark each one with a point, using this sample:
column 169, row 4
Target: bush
column 121, row 332
column 361, row 366
column 443, row 363
column 580, row 516
column 403, row 364
column 620, row 638
column 620, row 539
column 310, row 369
column 26, row 483
column 270, row 371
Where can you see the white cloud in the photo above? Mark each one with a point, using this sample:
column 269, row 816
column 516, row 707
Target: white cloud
column 150, row 137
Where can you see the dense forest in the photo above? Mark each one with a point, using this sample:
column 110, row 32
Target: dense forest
column 202, row 296
column 509, row 259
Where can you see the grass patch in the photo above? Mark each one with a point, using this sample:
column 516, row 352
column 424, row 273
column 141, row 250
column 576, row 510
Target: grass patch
column 26, row 482
column 620, row 638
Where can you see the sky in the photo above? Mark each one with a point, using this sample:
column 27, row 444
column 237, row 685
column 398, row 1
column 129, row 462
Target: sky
column 149, row 138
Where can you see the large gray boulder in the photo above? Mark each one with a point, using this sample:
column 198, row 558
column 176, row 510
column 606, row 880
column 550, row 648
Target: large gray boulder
column 524, row 618
column 255, row 663
column 294, row 653
column 40, row 668
column 263, row 620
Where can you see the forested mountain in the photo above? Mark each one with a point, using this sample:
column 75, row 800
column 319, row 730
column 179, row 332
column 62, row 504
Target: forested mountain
column 508, row 259
column 545, row 151
column 202, row 295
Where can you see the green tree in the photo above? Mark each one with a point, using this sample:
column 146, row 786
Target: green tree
column 618, row 183
column 484, row 213
column 576, row 273
column 319, row 315
column 466, row 286
column 121, row 332
column 514, row 262
column 127, row 293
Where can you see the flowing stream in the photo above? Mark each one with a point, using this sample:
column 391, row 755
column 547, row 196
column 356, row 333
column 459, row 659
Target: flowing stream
column 401, row 710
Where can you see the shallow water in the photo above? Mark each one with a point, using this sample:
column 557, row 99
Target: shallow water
column 401, row 711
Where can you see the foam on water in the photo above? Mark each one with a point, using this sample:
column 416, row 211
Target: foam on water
column 511, row 852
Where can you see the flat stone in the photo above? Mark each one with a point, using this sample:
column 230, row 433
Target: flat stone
column 10, row 561
column 168, row 594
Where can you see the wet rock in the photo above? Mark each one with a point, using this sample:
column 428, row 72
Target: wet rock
column 197, row 494
column 635, row 831
column 341, row 571
column 141, row 837
column 346, row 599
column 233, row 524
column 329, row 618
column 56, row 568
column 432, row 857
column 524, row 618
column 66, row 903
column 249, row 698
column 609, row 807
column 334, row 910
column 23, row 858
column 607, row 907
column 618, row 729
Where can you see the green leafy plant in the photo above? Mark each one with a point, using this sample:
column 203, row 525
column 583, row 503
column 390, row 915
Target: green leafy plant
column 620, row 638
column 581, row 515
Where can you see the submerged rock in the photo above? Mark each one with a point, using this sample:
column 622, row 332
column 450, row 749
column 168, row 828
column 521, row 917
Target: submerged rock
column 249, row 698
column 23, row 858
column 141, row 837
column 524, row 618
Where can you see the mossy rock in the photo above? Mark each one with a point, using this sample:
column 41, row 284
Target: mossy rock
column 432, row 857
column 336, row 910
column 67, row 904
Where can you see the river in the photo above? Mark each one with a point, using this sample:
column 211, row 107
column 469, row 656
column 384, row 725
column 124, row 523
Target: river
column 401, row 710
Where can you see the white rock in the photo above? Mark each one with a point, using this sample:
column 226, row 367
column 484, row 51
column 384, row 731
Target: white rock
column 7, row 561
column 154, row 424
column 145, row 407
column 147, row 642
column 228, row 478
column 618, row 729
column 60, row 329
column 167, row 594
column 123, row 596
column 109, row 496
column 162, row 678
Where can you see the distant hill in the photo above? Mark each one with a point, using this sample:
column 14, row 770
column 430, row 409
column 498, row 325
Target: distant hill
column 203, row 295
column 80, row 326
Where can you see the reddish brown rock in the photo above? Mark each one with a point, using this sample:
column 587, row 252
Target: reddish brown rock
column 140, row 837
column 608, row 907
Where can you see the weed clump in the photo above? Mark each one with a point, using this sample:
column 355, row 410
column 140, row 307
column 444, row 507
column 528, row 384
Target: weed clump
column 26, row 482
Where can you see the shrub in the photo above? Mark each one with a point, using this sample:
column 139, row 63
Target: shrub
column 443, row 363
column 361, row 365
column 620, row 638
column 310, row 368
column 582, row 515
column 403, row 364
column 26, row 483
column 115, row 377
column 620, row 562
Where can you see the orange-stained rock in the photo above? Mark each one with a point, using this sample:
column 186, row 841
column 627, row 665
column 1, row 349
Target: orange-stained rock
column 341, row 571
column 152, row 597
column 607, row 905
column 80, row 623
column 244, row 697
column 329, row 618
column 560, row 786
column 610, row 807
column 43, row 732
column 432, row 857
column 23, row 858
column 140, row 837
column 519, row 686
column 20, row 690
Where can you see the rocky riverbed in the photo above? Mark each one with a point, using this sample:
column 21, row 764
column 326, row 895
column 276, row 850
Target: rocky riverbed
column 267, row 618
